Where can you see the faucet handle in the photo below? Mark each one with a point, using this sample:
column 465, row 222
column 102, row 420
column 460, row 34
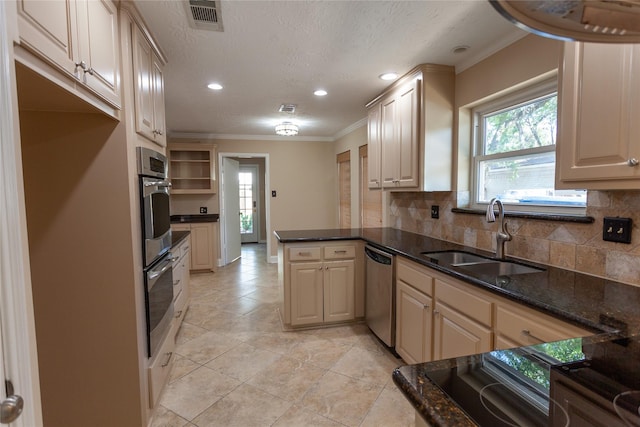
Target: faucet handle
column 505, row 228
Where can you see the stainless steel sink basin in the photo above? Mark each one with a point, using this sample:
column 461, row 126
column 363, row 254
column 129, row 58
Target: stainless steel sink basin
column 499, row 268
column 478, row 264
column 455, row 258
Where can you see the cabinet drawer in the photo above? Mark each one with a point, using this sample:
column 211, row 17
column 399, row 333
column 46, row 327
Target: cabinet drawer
column 304, row 254
column 525, row 327
column 160, row 368
column 339, row 252
column 415, row 276
column 184, row 249
column 470, row 305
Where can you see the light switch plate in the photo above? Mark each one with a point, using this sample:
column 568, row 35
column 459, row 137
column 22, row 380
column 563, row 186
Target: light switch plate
column 616, row 229
column 435, row 211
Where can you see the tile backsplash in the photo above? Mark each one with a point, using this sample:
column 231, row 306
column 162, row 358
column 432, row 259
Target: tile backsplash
column 569, row 245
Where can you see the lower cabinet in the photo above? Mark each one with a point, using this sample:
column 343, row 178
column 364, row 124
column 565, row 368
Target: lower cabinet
column 439, row 317
column 160, row 367
column 321, row 282
column 181, row 277
column 203, row 244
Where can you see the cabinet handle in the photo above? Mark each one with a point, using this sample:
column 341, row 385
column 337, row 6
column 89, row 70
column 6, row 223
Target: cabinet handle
column 436, row 312
column 340, row 252
column 178, row 314
column 176, row 282
column 304, row 253
column 82, row 65
column 530, row 335
column 166, row 362
column 633, row 162
column 425, row 306
column 157, row 132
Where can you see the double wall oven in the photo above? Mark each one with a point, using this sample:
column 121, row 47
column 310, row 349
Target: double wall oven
column 156, row 245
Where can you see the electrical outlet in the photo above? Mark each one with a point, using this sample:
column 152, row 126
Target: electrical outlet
column 616, row 229
column 203, row 210
column 435, row 211
column 273, row 193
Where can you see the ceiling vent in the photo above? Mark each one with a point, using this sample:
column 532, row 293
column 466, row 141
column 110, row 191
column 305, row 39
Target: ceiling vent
column 204, row 15
column 287, row 108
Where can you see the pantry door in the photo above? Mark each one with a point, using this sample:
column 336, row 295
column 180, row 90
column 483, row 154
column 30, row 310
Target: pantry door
column 18, row 356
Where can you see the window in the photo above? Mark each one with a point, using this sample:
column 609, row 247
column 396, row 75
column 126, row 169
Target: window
column 514, row 157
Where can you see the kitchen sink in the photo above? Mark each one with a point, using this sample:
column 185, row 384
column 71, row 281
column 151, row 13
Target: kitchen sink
column 498, row 268
column 481, row 265
column 456, row 258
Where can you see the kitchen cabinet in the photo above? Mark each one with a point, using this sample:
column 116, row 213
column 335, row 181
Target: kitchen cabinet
column 79, row 38
column 202, row 246
column 518, row 326
column 322, row 283
column 462, row 321
column 598, row 143
column 410, row 128
column 181, row 276
column 192, row 168
column 160, row 368
column 414, row 312
column 149, row 89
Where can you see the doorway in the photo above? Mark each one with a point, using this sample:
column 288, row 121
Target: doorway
column 244, row 207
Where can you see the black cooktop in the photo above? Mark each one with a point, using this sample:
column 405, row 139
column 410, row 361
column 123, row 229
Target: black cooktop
column 564, row 383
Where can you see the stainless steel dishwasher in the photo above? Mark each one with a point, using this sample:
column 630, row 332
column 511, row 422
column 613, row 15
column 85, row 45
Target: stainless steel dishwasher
column 380, row 305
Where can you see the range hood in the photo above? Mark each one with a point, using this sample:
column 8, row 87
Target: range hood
column 601, row 21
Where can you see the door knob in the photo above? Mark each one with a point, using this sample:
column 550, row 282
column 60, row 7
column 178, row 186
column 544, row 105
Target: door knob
column 11, row 407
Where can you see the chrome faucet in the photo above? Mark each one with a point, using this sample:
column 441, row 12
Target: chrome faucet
column 502, row 235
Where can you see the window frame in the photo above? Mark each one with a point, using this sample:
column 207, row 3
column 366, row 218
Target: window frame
column 511, row 100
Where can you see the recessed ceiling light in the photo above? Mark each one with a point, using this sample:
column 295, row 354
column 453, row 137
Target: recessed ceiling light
column 388, row 76
column 460, row 49
column 214, row 86
column 320, row 92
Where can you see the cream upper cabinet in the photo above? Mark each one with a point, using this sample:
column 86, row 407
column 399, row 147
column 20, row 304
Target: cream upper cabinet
column 374, row 176
column 149, row 89
column 598, row 143
column 192, row 168
column 410, row 128
column 78, row 37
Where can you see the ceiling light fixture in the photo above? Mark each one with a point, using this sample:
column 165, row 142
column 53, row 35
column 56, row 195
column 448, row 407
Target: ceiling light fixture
column 214, row 86
column 388, row 76
column 286, row 129
column 460, row 49
column 320, row 92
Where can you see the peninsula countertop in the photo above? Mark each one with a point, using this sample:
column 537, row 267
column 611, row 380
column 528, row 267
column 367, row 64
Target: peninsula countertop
column 603, row 305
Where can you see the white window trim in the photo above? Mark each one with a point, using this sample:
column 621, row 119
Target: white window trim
column 519, row 97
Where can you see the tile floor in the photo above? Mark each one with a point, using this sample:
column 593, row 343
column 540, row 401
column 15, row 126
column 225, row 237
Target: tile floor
column 235, row 366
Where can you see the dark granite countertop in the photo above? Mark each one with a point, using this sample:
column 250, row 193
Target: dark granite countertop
column 177, row 219
column 610, row 308
column 177, row 237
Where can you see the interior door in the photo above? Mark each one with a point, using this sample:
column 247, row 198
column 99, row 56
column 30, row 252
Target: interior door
column 249, row 213
column 18, row 357
column 231, row 209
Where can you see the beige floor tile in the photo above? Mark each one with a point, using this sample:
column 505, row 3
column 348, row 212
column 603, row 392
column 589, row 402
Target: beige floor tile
column 243, row 361
column 370, row 366
column 244, row 407
column 319, row 352
column 195, row 392
column 187, row 332
column 287, row 378
column 341, row 398
column 390, row 409
column 279, row 342
column 297, row 416
column 181, row 367
column 207, row 346
column 163, row 417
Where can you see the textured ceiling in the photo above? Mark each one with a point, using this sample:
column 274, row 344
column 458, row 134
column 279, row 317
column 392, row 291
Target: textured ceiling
column 274, row 52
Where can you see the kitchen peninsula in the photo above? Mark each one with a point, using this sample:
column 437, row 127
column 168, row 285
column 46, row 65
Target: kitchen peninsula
column 605, row 310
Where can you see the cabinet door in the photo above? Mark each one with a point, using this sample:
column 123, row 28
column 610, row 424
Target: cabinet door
column 598, row 130
column 456, row 335
column 157, row 77
column 388, row 142
column 98, row 47
column 49, row 28
column 373, row 150
column 339, row 290
column 143, row 93
column 407, row 122
column 413, row 324
column 306, row 293
column 202, row 246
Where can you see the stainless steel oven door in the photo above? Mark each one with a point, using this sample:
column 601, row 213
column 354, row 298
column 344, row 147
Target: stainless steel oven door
column 159, row 301
column 156, row 221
